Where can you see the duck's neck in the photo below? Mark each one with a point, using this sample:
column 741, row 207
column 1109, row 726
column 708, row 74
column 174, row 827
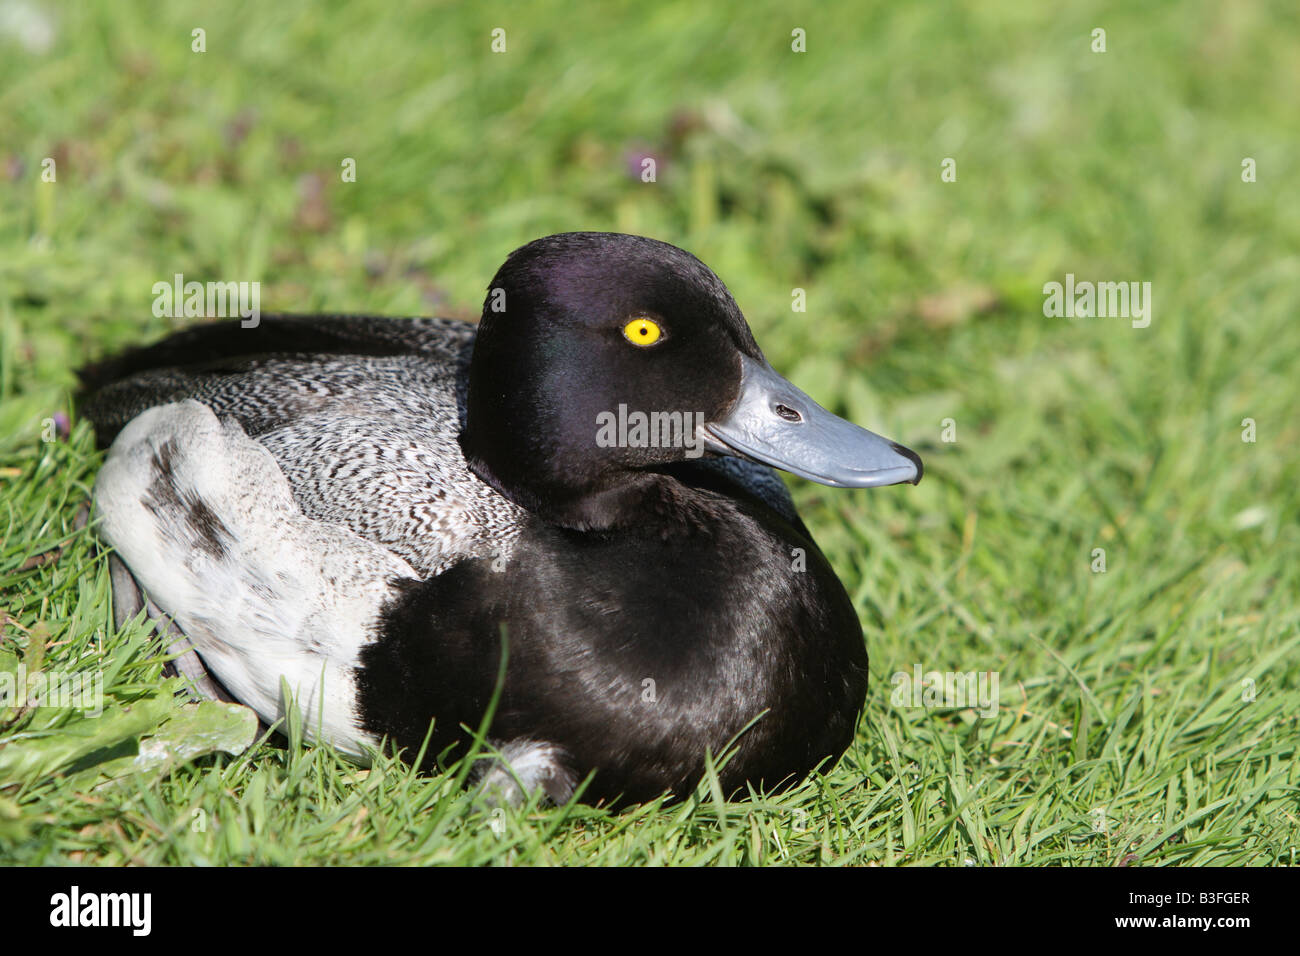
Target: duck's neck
column 646, row 502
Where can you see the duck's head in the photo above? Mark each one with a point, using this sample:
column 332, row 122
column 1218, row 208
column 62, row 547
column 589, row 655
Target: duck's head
column 582, row 333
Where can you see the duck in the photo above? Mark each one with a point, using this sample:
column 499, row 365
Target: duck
column 559, row 530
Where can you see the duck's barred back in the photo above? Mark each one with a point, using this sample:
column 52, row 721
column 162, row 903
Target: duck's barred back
column 117, row 388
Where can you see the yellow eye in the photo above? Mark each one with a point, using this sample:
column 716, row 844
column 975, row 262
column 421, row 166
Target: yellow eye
column 642, row 332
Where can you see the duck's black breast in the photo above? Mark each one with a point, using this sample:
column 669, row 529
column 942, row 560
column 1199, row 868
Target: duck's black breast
column 634, row 651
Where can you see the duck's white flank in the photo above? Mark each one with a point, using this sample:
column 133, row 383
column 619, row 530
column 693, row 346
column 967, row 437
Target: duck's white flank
column 204, row 517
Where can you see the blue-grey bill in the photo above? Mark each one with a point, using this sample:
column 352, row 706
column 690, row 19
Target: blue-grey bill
column 775, row 423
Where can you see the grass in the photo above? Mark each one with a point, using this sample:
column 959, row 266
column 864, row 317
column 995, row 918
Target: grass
column 1148, row 712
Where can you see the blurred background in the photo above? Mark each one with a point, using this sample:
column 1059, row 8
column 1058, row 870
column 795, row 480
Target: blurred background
column 819, row 170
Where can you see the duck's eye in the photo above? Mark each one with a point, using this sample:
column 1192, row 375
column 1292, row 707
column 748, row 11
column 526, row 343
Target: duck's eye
column 642, row 332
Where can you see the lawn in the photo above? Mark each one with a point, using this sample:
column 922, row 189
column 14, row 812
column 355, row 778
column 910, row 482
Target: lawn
column 1147, row 713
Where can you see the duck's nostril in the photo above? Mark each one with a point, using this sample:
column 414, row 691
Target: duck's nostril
column 786, row 412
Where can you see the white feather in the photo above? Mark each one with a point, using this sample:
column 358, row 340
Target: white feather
column 283, row 596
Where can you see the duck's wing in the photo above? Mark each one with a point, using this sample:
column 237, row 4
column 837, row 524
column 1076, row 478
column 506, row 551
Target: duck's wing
column 262, row 591
column 363, row 416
